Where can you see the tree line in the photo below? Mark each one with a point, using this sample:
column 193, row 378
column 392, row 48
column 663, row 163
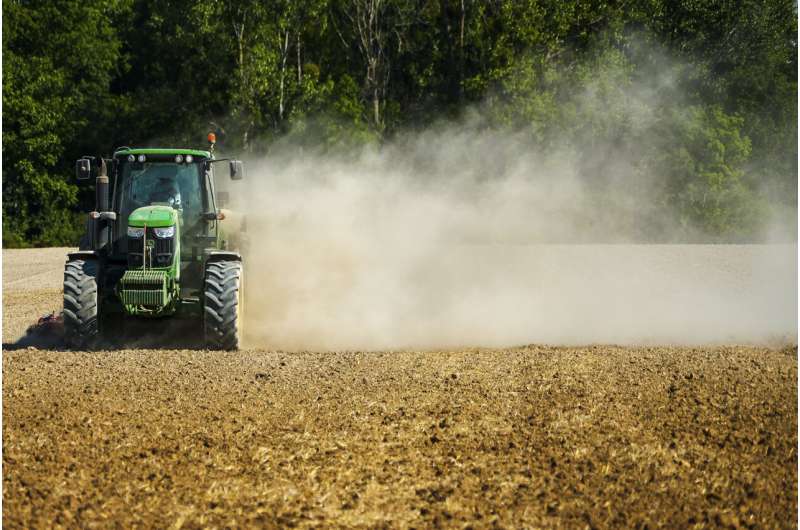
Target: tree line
column 712, row 86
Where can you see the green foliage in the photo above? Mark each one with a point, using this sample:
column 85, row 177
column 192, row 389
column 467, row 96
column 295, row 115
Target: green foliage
column 700, row 97
column 700, row 155
column 329, row 115
column 59, row 59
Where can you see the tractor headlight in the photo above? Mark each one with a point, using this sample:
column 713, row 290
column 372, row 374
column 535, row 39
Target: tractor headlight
column 178, row 159
column 135, row 231
column 189, row 159
column 166, row 232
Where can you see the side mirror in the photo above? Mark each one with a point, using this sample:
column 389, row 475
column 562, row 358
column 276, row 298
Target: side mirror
column 83, row 169
column 237, row 170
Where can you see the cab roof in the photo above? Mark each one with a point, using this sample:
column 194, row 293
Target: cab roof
column 161, row 151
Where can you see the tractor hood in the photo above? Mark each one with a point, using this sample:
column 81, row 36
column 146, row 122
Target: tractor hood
column 153, row 216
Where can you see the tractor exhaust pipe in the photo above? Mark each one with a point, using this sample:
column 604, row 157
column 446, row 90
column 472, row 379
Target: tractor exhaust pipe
column 101, row 188
column 102, row 225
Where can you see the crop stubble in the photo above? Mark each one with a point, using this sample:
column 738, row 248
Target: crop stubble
column 531, row 436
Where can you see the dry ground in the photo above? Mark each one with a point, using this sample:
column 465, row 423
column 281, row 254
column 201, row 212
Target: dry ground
column 534, row 436
column 31, row 287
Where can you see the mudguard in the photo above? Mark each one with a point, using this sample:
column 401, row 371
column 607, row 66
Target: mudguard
column 223, row 255
column 83, row 254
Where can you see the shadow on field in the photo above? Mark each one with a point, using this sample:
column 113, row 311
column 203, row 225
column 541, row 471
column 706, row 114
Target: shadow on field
column 167, row 333
column 36, row 340
column 130, row 334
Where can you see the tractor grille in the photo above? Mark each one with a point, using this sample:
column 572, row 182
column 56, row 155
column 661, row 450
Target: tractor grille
column 162, row 251
column 147, row 288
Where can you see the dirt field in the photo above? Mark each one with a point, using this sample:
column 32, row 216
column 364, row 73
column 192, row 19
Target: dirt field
column 537, row 436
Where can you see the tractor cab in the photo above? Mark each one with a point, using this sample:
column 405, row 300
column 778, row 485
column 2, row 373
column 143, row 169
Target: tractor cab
column 181, row 180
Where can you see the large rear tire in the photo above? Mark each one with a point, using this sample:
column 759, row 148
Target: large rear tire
column 81, row 328
column 222, row 301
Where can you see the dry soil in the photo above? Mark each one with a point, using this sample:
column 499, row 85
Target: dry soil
column 534, row 436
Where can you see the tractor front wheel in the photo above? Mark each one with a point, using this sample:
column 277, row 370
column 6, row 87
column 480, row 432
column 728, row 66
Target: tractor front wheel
column 80, row 303
column 222, row 301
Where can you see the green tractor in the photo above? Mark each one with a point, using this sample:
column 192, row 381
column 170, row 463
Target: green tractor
column 155, row 247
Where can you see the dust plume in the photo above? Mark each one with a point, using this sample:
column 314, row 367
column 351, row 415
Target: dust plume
column 474, row 232
column 458, row 236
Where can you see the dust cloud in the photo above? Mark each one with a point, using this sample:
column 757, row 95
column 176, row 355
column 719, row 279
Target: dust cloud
column 458, row 236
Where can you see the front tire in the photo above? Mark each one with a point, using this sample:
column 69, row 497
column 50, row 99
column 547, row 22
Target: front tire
column 222, row 305
column 81, row 328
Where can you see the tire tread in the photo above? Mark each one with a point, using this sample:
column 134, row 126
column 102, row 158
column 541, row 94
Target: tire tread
column 221, row 299
column 80, row 303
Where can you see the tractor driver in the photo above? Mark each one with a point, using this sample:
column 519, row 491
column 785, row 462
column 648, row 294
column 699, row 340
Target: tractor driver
column 166, row 191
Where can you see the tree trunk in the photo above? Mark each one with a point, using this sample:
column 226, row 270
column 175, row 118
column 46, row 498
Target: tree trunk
column 299, row 64
column 238, row 30
column 284, row 56
column 461, row 54
column 376, row 107
column 367, row 19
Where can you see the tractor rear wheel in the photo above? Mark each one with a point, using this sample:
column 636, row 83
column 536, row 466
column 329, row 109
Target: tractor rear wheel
column 80, row 304
column 222, row 301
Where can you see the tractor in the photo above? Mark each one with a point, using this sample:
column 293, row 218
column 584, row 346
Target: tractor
column 156, row 246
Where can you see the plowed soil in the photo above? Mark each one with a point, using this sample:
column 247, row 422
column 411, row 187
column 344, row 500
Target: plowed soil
column 535, row 436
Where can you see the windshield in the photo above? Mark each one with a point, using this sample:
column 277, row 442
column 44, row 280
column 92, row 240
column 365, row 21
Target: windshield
column 161, row 183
